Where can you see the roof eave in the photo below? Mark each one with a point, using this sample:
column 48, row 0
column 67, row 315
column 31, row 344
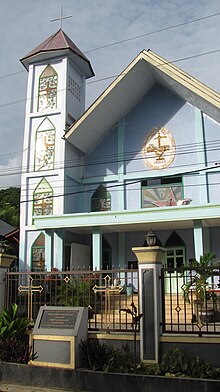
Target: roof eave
column 103, row 95
column 27, row 60
column 207, row 100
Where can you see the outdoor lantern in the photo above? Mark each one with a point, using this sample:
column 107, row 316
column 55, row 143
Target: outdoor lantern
column 150, row 238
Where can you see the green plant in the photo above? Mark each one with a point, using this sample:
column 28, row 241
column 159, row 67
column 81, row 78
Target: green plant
column 135, row 322
column 13, row 341
column 176, row 364
column 16, row 350
column 95, row 354
column 107, row 358
column 78, row 291
column 198, row 282
column 11, row 325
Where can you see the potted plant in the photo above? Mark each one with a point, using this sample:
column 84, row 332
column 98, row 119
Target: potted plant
column 198, row 287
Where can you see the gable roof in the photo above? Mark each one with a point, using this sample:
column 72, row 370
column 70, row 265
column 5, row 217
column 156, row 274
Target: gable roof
column 124, row 93
column 58, row 42
column 5, row 228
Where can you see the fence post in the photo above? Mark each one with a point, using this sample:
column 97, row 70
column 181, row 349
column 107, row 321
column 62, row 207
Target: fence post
column 149, row 270
column 3, row 271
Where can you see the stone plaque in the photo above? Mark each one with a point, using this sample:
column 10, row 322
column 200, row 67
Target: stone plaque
column 64, row 319
column 57, row 334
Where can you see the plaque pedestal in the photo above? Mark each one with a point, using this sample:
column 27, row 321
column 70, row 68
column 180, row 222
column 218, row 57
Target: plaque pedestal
column 57, row 334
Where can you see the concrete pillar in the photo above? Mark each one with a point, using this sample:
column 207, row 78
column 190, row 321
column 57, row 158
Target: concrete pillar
column 198, row 240
column 97, row 248
column 149, row 269
column 48, row 250
column 58, row 250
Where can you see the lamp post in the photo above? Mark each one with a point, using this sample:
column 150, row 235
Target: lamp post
column 150, row 238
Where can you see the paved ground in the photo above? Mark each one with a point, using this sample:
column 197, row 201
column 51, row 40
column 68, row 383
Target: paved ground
column 7, row 387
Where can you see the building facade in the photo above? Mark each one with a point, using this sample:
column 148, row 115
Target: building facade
column 143, row 157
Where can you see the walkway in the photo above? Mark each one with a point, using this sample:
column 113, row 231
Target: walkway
column 7, row 387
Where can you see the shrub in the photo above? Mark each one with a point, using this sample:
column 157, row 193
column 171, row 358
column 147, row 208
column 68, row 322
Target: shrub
column 78, row 291
column 15, row 350
column 174, row 363
column 13, row 340
column 106, row 358
column 11, row 325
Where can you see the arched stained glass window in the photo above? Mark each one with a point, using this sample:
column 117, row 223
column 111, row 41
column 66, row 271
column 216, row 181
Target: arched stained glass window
column 45, row 146
column 43, row 199
column 38, row 253
column 101, row 199
column 47, row 93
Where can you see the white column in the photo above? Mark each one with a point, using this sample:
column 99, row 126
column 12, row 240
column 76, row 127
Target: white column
column 58, row 250
column 97, row 248
column 198, row 240
column 48, row 250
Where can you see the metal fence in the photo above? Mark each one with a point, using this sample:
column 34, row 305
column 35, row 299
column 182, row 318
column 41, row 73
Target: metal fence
column 103, row 292
column 191, row 300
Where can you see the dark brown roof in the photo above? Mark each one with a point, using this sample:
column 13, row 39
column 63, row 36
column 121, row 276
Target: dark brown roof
column 57, row 41
column 5, row 228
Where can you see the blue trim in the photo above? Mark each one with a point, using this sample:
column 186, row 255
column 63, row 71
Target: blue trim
column 201, row 155
column 121, row 164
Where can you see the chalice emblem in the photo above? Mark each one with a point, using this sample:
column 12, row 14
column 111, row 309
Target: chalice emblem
column 159, row 148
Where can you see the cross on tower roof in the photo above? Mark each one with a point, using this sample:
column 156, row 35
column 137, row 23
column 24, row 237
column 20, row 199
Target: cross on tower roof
column 61, row 17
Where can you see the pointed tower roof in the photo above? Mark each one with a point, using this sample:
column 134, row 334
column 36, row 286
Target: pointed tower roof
column 57, row 44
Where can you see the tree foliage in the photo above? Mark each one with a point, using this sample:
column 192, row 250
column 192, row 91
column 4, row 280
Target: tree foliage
column 10, row 205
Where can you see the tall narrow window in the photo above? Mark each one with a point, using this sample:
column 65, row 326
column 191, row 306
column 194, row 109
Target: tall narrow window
column 101, row 199
column 47, row 93
column 45, row 146
column 43, row 199
column 38, row 253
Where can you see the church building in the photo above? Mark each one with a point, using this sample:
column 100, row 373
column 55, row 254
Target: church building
column 144, row 156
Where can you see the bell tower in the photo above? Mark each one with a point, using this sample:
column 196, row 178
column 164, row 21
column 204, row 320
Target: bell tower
column 57, row 73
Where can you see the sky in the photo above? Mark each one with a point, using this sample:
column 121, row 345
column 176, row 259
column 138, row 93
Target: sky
column 96, row 25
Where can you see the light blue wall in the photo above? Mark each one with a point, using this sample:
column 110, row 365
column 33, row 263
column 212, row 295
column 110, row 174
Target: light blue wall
column 212, row 139
column 159, row 108
column 103, row 160
column 191, row 132
column 71, row 196
column 214, row 184
column 74, row 162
